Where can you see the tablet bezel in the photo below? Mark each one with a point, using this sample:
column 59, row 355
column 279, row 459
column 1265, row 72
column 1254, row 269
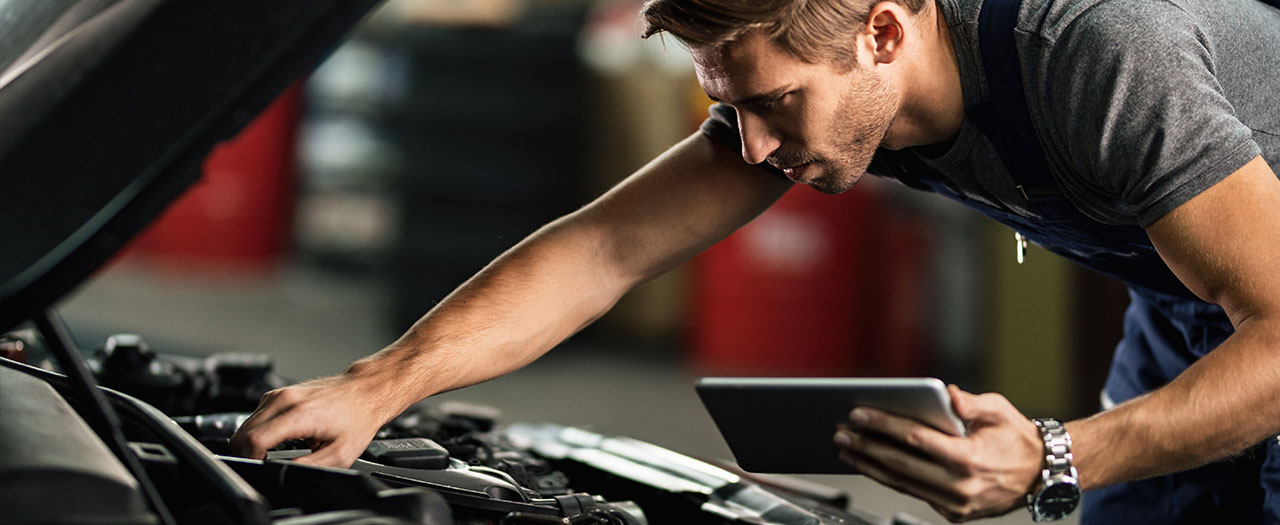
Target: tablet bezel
column 785, row 425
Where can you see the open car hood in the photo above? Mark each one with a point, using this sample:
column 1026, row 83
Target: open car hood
column 108, row 108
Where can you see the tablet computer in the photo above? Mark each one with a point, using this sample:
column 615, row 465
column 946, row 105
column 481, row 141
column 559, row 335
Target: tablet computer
column 785, row 425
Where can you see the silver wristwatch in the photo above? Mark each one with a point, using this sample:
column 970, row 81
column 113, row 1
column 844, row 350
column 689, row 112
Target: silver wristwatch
column 1058, row 492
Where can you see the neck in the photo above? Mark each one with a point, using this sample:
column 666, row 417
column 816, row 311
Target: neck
column 932, row 97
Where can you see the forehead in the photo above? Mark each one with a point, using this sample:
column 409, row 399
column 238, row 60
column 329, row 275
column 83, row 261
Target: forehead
column 750, row 63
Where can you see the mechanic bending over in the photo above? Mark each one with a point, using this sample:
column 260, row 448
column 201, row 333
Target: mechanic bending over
column 1132, row 136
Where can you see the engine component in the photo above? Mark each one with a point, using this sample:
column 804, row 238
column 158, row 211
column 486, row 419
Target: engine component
column 53, row 468
column 418, row 453
column 177, row 385
column 670, row 486
column 128, row 364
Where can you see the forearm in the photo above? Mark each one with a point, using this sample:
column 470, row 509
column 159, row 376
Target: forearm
column 524, row 303
column 573, row 270
column 531, row 298
column 1218, row 407
column 517, row 308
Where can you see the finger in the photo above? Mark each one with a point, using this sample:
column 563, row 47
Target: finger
column 246, row 443
column 254, row 440
column 270, row 406
column 912, row 433
column 876, row 471
column 949, row 501
column 902, row 462
column 331, row 455
column 241, row 442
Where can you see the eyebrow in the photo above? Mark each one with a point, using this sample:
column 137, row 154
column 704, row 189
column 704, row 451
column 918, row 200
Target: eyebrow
column 754, row 99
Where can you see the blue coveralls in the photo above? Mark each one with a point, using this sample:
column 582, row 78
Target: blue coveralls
column 1166, row 328
column 1164, row 332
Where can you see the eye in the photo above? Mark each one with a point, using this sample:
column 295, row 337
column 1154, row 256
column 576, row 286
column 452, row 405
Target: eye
column 771, row 104
column 775, row 102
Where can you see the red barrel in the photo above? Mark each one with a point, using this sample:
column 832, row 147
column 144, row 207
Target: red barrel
column 238, row 216
column 784, row 295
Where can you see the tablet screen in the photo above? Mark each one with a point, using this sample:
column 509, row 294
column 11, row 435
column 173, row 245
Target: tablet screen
column 785, row 425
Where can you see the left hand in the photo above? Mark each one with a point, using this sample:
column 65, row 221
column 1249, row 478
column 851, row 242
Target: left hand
column 986, row 473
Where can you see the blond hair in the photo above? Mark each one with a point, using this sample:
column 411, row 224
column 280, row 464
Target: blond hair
column 812, row 30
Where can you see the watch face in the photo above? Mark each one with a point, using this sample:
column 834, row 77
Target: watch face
column 1057, row 500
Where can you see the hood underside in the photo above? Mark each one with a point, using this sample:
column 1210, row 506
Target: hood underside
column 108, row 108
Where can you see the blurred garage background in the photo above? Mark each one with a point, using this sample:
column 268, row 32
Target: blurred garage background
column 444, row 131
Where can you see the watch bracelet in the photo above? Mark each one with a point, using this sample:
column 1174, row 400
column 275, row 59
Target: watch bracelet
column 1057, row 446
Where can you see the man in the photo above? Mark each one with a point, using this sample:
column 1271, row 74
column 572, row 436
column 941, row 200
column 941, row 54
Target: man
column 1133, row 136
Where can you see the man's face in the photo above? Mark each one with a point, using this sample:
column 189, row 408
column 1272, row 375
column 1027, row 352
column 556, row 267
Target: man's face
column 819, row 123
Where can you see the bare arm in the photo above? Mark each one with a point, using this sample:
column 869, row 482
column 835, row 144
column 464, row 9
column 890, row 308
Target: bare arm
column 573, row 270
column 528, row 300
column 1224, row 244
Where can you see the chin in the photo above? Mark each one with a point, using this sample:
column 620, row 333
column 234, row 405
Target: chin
column 835, row 184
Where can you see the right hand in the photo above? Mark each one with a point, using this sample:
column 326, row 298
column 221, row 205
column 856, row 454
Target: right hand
column 339, row 415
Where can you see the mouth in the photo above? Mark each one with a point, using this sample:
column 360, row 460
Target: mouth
column 797, row 173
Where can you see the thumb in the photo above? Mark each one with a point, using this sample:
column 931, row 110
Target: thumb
column 341, row 453
column 985, row 409
column 967, row 406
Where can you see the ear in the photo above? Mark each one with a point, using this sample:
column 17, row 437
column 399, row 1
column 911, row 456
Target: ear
column 887, row 30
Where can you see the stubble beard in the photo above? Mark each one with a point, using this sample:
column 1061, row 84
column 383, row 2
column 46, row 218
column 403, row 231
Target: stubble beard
column 861, row 122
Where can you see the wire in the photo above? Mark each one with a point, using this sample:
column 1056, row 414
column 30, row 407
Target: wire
column 95, row 408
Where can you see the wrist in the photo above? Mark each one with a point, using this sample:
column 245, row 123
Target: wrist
column 1057, row 492
column 389, row 389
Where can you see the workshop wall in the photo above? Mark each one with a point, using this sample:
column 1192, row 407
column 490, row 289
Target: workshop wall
column 468, row 136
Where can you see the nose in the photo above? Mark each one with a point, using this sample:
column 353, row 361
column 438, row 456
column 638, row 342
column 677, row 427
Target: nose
column 758, row 141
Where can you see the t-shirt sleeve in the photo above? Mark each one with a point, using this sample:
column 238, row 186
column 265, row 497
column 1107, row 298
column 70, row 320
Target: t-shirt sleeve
column 1138, row 114
column 722, row 126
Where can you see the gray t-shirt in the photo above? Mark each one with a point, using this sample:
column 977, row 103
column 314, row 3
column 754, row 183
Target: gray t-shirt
column 1139, row 104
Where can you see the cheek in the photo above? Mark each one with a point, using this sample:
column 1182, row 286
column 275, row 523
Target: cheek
column 827, row 122
column 862, row 117
column 825, row 130
column 806, row 128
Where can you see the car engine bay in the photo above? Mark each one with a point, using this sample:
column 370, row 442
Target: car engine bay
column 447, row 462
